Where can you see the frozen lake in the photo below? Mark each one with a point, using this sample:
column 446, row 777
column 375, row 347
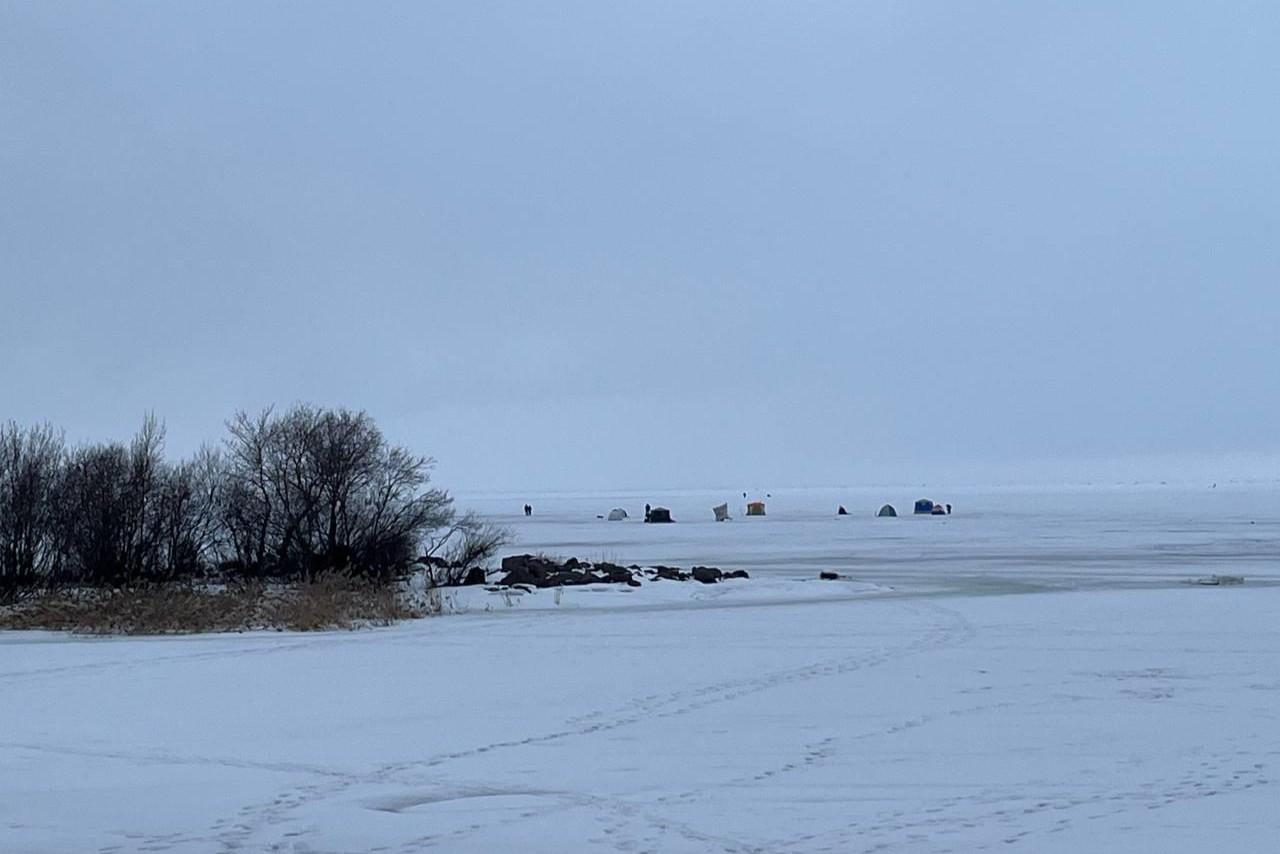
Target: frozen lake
column 1105, row 708
column 999, row 540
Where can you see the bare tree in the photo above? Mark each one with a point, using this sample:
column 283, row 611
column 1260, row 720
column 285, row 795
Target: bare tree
column 191, row 516
column 249, row 508
column 112, row 510
column 31, row 462
column 314, row 489
column 92, row 514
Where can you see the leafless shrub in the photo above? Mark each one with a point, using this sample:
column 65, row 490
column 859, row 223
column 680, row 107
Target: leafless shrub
column 467, row 542
column 312, row 490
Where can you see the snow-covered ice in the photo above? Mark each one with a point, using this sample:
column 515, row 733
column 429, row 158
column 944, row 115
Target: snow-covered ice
column 1030, row 674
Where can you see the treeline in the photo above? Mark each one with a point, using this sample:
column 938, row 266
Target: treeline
column 285, row 496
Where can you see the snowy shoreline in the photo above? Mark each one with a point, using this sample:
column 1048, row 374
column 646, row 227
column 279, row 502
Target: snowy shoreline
column 1137, row 720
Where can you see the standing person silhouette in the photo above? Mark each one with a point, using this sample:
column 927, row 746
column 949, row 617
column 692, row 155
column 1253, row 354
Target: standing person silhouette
column 646, row 512
column 528, row 510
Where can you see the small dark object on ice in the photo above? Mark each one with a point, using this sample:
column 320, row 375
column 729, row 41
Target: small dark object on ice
column 840, row 511
column 829, row 576
column 1220, row 580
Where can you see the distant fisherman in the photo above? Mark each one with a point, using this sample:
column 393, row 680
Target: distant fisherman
column 528, row 510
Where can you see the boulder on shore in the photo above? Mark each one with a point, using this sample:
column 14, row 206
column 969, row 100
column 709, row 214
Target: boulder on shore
column 527, row 569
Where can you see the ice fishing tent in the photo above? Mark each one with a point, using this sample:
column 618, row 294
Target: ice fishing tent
column 887, row 511
column 659, row 514
column 617, row 514
column 924, row 507
column 722, row 512
column 755, row 508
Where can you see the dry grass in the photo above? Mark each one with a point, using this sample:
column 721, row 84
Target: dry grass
column 335, row 602
column 331, row 602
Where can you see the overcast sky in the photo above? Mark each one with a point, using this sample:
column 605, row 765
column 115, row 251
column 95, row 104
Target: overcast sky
column 632, row 245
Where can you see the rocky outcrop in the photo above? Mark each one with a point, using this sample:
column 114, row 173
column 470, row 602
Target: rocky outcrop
column 530, row 571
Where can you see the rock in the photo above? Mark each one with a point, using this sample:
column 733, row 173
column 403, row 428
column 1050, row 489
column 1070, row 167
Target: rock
column 614, row 575
column 517, row 577
column 706, row 574
column 736, row 573
column 475, row 575
column 633, row 583
column 670, row 573
column 829, row 576
column 572, row 563
column 568, row 578
column 527, row 569
column 511, row 563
